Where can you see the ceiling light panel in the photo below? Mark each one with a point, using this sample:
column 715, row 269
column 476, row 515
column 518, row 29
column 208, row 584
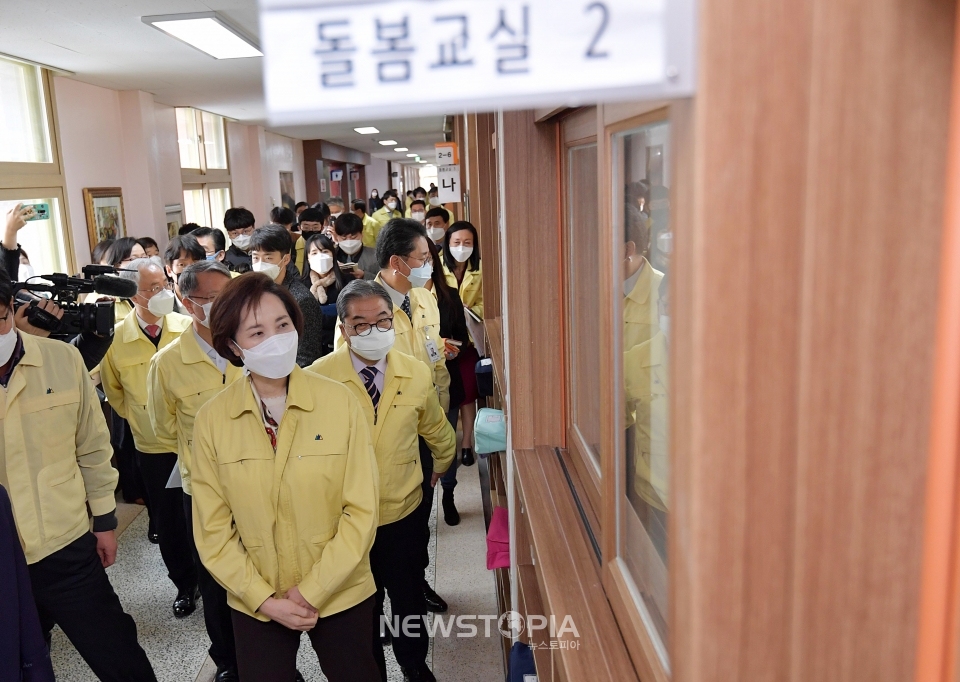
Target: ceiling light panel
column 401, row 149
column 411, row 155
column 388, row 143
column 207, row 32
column 370, row 130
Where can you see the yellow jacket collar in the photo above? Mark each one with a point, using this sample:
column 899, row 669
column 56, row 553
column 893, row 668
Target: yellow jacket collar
column 341, row 367
column 171, row 323
column 31, row 351
column 190, row 351
column 298, row 395
column 641, row 291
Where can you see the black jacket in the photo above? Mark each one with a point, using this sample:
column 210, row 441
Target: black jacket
column 237, row 260
column 23, row 652
column 453, row 325
column 311, row 341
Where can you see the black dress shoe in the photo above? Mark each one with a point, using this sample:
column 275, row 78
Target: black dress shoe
column 419, row 674
column 153, row 537
column 466, row 457
column 186, row 602
column 450, row 514
column 226, row 674
column 435, row 603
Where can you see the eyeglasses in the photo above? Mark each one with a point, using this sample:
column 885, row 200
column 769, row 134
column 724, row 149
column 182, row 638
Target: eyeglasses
column 422, row 261
column 364, row 329
column 157, row 289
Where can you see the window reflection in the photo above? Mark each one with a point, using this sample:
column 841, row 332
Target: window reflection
column 641, row 158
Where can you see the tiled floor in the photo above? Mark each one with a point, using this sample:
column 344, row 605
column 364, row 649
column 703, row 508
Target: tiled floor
column 177, row 648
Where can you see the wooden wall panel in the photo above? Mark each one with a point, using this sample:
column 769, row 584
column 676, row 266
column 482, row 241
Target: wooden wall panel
column 531, row 244
column 480, row 158
column 879, row 102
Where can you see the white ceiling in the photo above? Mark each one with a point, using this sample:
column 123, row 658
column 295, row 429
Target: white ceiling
column 105, row 43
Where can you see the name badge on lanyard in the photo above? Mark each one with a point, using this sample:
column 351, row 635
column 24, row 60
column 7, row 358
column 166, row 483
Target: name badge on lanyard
column 432, row 351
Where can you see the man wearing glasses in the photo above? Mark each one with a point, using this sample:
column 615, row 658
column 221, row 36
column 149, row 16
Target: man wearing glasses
column 152, row 326
column 402, row 408
column 183, row 377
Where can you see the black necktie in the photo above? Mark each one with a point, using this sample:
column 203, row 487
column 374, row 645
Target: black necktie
column 369, row 376
column 405, row 307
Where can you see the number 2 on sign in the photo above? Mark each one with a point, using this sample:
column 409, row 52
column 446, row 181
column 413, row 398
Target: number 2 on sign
column 604, row 18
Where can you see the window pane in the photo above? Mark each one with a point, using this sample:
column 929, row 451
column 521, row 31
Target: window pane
column 214, row 145
column 23, row 118
column 642, row 212
column 582, row 251
column 193, row 210
column 219, row 203
column 41, row 240
column 189, row 138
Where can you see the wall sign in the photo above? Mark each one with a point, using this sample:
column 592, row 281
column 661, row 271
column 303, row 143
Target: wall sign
column 449, row 190
column 333, row 60
column 447, row 153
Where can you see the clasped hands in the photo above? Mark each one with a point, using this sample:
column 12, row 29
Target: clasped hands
column 292, row 611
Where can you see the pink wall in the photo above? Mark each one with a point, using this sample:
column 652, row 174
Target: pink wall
column 256, row 159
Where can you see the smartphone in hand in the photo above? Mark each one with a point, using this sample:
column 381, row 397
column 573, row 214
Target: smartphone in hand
column 37, row 212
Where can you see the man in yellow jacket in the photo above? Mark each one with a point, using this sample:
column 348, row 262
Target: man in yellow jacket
column 640, row 284
column 390, row 209
column 152, row 326
column 183, row 377
column 398, row 398
column 55, row 462
column 371, row 228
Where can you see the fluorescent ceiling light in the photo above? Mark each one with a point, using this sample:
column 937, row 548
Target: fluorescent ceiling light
column 367, row 131
column 400, row 149
column 388, row 143
column 207, row 32
column 423, row 161
column 411, row 155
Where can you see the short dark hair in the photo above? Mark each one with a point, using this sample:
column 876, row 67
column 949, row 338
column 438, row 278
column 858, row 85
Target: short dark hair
column 188, row 228
column 299, row 204
column 357, row 289
column 237, row 297
column 219, row 238
column 184, row 244
column 474, row 260
column 100, row 250
column 348, row 223
column 418, row 201
column 438, row 212
column 312, row 215
column 397, row 238
column 120, row 250
column 238, row 219
column 271, row 238
column 6, row 292
column 390, row 193
column 359, row 205
column 281, row 215
column 146, row 242
column 433, row 189
column 188, row 282
column 335, row 201
column 417, row 190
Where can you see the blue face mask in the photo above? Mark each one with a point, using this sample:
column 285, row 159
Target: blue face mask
column 211, row 256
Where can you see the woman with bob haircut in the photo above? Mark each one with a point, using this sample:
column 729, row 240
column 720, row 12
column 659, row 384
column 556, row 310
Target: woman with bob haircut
column 285, row 495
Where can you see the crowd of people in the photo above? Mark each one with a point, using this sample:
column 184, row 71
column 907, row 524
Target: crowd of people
column 283, row 402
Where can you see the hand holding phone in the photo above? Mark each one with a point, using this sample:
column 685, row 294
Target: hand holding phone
column 37, row 212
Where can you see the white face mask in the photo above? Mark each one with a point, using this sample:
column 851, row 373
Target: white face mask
column 419, row 216
column 435, row 233
column 25, row 272
column 374, row 346
column 275, row 358
column 8, row 342
column 242, row 242
column 206, row 308
column 461, row 253
column 418, row 277
column 334, row 216
column 321, row 263
column 351, row 246
column 162, row 303
column 392, row 205
column 434, row 201
column 665, row 324
column 271, row 270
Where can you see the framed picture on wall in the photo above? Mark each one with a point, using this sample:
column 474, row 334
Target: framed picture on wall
column 287, row 191
column 104, row 209
column 174, row 219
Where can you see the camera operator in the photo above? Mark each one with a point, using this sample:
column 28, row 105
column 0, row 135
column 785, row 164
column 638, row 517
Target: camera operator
column 92, row 347
column 55, row 461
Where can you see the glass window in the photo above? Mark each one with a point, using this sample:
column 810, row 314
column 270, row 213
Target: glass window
column 188, row 137
column 219, row 203
column 582, row 252
column 641, row 160
column 41, row 240
column 193, row 208
column 24, row 137
column 214, row 144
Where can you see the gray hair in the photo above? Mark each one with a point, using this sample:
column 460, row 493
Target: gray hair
column 132, row 269
column 188, row 281
column 357, row 289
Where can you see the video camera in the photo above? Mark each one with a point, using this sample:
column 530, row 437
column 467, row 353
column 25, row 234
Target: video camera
column 97, row 318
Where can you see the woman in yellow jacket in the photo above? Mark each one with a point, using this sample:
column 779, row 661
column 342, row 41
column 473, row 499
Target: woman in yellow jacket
column 285, row 495
column 461, row 266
